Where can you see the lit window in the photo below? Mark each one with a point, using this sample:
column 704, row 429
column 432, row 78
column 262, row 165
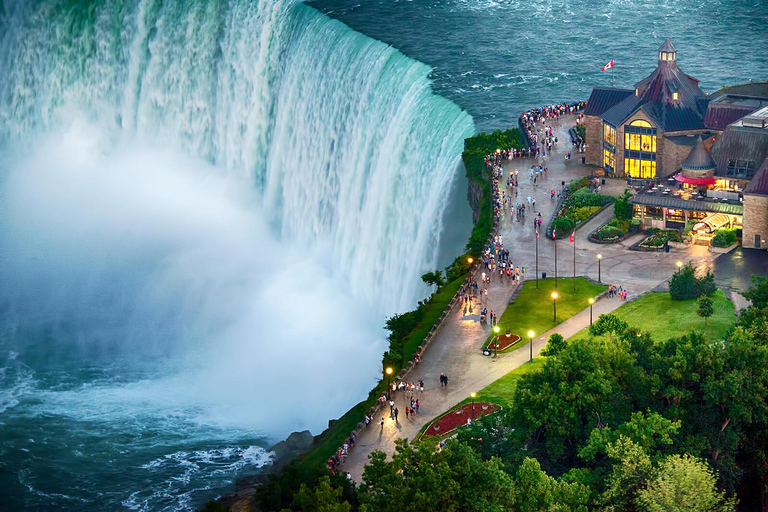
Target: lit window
column 675, row 95
column 637, row 92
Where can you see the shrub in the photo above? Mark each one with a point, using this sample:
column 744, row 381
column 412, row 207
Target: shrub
column 608, row 233
column 622, row 210
column 563, row 226
column 724, row 238
column 556, row 343
column 581, row 214
column 578, row 184
column 685, row 285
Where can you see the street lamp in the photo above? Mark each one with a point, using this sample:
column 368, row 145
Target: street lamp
column 531, row 334
column 472, row 394
column 591, row 301
column 496, row 330
column 469, row 269
column 554, row 305
column 599, row 259
column 389, row 374
column 679, row 266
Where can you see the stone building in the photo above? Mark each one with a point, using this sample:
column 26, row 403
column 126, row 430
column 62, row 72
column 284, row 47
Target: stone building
column 755, row 231
column 647, row 132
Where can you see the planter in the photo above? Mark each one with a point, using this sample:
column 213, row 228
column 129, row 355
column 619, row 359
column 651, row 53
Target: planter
column 679, row 245
column 723, row 250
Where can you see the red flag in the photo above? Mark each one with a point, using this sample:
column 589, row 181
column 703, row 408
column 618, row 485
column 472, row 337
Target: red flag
column 607, row 66
column 554, row 232
column 573, row 236
column 537, row 233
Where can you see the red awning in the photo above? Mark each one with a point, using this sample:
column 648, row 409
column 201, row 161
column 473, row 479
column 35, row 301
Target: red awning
column 695, row 181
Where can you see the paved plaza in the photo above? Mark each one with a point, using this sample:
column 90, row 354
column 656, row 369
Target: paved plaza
column 456, row 351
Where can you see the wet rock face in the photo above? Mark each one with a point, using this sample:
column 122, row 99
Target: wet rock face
column 294, row 445
column 475, row 197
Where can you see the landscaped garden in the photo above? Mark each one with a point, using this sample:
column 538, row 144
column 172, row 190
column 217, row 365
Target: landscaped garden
column 580, row 204
column 457, row 417
column 621, row 223
column 657, row 238
column 532, row 309
column 724, row 237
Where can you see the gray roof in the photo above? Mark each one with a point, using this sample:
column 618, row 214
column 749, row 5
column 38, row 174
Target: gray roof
column 759, row 184
column 603, row 98
column 667, row 47
column 699, row 159
column 740, row 143
column 622, row 110
column 683, row 204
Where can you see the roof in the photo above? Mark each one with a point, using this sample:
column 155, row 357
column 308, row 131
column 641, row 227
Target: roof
column 740, row 143
column 655, row 95
column 728, row 108
column 695, row 181
column 759, row 184
column 686, row 204
column 699, row 159
column 667, row 47
column 756, row 89
column 603, row 98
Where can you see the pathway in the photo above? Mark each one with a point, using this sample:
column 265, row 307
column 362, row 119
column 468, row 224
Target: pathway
column 456, row 351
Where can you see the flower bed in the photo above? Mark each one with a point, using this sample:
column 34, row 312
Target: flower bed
column 457, row 417
column 505, row 341
column 579, row 206
column 657, row 238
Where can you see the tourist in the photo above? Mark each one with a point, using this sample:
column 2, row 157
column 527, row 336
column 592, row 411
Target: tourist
column 391, row 407
column 382, row 423
column 396, row 411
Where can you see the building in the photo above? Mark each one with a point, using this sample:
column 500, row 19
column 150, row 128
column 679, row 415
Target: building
column 698, row 161
column 646, row 132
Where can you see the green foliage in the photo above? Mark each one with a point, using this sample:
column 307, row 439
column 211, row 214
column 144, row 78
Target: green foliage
column 659, row 237
column 581, row 131
column 556, row 343
column 758, row 294
column 281, row 490
column 322, row 497
column 683, row 483
column 433, row 278
column 563, row 227
column 578, row 184
column 724, row 238
column 581, row 213
column 705, row 309
column 685, row 285
column 608, row 324
column 609, row 233
column 622, row 210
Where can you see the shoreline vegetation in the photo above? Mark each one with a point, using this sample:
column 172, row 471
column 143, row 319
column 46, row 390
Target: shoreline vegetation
column 408, row 329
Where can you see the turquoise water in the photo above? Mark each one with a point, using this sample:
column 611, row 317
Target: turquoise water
column 497, row 58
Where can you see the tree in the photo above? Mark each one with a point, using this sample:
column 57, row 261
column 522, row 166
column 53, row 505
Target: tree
column 622, row 210
column 683, row 483
column 608, row 324
column 536, row 491
column 758, row 293
column 323, row 497
column 705, row 308
column 433, row 278
column 555, row 344
column 685, row 285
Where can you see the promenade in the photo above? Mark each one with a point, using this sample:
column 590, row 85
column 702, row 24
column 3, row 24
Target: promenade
column 456, row 350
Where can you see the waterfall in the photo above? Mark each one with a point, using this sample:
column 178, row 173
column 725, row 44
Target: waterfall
column 340, row 134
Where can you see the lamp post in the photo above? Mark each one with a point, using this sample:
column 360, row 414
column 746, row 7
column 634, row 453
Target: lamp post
column 679, row 266
column 537, row 256
column 496, row 330
column 388, row 371
column 472, row 394
column 591, row 301
column 599, row 259
column 554, row 305
column 469, row 269
column 531, row 334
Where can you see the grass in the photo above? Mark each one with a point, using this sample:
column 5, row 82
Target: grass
column 502, row 390
column 533, row 309
column 665, row 318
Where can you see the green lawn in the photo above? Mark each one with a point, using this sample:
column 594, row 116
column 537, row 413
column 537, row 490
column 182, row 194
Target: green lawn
column 533, row 309
column 665, row 318
column 502, row 390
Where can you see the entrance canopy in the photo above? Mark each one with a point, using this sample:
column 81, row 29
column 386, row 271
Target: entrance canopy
column 695, row 181
column 712, row 222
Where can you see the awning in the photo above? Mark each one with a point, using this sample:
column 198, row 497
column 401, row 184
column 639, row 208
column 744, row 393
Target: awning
column 695, row 181
column 710, row 223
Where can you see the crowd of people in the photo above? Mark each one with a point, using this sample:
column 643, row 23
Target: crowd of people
column 540, row 137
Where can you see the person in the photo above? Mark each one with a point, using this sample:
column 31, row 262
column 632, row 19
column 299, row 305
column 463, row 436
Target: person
column 396, row 411
column 391, row 407
column 382, row 423
column 417, row 405
column 421, row 385
column 469, row 422
column 407, row 410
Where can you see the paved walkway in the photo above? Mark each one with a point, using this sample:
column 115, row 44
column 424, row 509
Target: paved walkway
column 456, row 351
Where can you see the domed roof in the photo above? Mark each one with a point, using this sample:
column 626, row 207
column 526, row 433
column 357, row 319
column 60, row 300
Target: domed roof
column 699, row 159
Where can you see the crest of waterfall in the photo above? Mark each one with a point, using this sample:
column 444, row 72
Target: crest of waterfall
column 340, row 134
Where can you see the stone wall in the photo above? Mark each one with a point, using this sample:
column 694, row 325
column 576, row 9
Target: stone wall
column 755, row 221
column 594, row 151
column 669, row 156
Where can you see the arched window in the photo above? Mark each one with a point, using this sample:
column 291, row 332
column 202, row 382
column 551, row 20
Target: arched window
column 640, row 122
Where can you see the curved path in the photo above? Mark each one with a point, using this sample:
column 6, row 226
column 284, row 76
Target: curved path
column 456, row 351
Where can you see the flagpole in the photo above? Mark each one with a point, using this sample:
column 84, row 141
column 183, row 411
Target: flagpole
column 574, row 262
column 537, row 259
column 612, row 66
column 555, row 240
